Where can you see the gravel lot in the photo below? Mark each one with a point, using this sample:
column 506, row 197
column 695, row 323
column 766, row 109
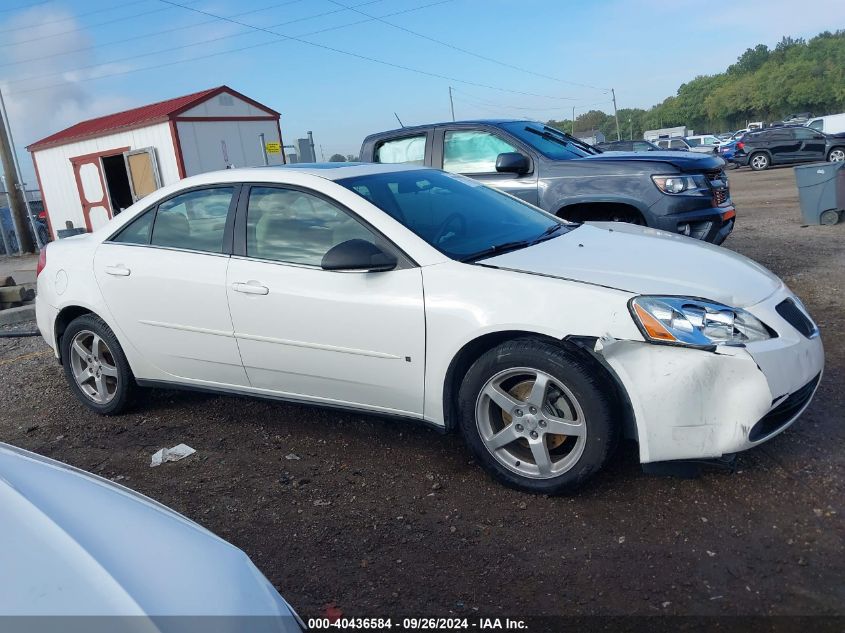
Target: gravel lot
column 379, row 517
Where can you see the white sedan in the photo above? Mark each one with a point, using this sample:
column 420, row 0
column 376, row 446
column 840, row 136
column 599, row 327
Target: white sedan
column 422, row 295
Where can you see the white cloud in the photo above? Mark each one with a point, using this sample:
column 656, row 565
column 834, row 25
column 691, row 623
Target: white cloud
column 41, row 46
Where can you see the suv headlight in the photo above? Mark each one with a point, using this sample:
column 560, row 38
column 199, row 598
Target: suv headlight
column 694, row 322
column 696, row 185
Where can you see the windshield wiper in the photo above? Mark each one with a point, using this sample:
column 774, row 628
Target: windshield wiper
column 498, row 249
column 554, row 228
column 562, row 138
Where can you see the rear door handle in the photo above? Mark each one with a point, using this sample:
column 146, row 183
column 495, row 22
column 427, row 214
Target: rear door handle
column 118, row 271
column 250, row 288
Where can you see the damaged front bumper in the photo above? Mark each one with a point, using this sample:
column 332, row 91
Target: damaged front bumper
column 694, row 404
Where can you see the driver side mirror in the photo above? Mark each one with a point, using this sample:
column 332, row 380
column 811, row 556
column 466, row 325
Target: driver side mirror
column 358, row 255
column 513, row 162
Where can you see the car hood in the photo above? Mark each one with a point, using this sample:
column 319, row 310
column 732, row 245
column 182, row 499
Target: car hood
column 77, row 544
column 641, row 260
column 684, row 161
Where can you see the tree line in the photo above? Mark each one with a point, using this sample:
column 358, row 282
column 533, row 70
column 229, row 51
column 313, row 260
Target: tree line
column 763, row 85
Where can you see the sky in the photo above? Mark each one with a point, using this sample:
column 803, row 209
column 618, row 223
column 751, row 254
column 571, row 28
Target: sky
column 347, row 68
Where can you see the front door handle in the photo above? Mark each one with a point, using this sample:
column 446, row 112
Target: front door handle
column 118, row 271
column 250, row 287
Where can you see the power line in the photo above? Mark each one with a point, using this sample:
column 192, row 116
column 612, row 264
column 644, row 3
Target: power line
column 476, row 100
column 154, row 33
column 219, row 53
column 467, row 52
column 74, row 17
column 83, row 28
column 173, row 48
column 26, row 6
column 366, row 57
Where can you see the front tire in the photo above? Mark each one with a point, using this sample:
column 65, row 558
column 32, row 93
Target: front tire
column 759, row 161
column 836, row 155
column 536, row 417
column 96, row 367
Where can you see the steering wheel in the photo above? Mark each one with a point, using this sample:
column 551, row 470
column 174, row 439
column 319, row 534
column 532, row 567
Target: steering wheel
column 452, row 218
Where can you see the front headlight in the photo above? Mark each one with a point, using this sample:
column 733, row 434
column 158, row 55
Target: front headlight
column 695, row 322
column 689, row 185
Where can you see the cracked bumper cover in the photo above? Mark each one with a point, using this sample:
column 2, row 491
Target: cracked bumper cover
column 693, row 404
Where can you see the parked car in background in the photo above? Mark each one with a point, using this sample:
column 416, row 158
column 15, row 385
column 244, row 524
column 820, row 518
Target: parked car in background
column 727, row 151
column 568, row 178
column 830, row 124
column 628, row 146
column 784, row 145
column 417, row 294
column 704, row 143
column 676, row 144
column 75, row 544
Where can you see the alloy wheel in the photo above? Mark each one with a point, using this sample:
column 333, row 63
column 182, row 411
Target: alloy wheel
column 531, row 423
column 760, row 162
column 94, row 368
column 837, row 156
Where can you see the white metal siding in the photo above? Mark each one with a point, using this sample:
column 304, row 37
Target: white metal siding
column 56, row 172
column 202, row 144
column 224, row 105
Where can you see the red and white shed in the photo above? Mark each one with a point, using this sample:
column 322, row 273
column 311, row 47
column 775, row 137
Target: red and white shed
column 92, row 170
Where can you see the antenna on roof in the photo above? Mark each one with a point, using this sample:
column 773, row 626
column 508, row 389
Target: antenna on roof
column 398, row 119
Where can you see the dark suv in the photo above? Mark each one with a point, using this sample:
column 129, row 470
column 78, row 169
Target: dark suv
column 680, row 192
column 784, row 145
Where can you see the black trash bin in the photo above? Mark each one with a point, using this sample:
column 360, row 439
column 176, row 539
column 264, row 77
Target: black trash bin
column 821, row 190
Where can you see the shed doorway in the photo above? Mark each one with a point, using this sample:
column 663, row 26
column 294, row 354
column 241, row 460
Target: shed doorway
column 117, row 182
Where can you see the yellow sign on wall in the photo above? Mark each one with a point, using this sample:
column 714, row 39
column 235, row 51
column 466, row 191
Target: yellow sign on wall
column 273, row 148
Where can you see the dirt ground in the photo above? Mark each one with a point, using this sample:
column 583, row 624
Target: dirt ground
column 380, row 517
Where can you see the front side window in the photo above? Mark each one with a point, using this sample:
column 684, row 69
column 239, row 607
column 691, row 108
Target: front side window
column 410, row 149
column 286, row 225
column 473, row 151
column 805, row 134
column 195, row 220
column 677, row 144
column 694, row 142
column 459, row 217
column 642, row 146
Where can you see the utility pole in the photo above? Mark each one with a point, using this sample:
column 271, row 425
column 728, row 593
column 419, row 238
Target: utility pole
column 573, row 120
column 451, row 103
column 17, row 197
column 616, row 115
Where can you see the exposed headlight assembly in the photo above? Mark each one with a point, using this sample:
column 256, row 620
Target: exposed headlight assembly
column 689, row 185
column 695, row 322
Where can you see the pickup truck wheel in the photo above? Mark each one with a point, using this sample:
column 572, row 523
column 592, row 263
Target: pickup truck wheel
column 537, row 418
column 837, row 155
column 759, row 161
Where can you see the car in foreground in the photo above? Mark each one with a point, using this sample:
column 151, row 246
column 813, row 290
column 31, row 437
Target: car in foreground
column 628, row 146
column 416, row 294
column 75, row 544
column 787, row 145
column 566, row 177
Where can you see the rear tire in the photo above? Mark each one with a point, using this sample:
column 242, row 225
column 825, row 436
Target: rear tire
column 536, row 417
column 96, row 367
column 759, row 161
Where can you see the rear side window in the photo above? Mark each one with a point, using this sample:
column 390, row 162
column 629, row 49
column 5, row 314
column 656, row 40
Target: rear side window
column 137, row 231
column 473, row 151
column 677, row 144
column 194, row 221
column 410, row 149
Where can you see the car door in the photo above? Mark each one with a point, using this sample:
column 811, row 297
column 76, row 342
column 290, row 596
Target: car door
column 348, row 338
column 813, row 144
column 163, row 278
column 473, row 151
column 783, row 145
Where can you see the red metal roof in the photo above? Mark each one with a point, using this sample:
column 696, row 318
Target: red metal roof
column 137, row 117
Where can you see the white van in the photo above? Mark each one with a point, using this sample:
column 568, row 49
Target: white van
column 830, row 124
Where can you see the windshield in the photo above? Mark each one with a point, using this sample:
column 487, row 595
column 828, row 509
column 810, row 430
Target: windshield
column 549, row 141
column 460, row 217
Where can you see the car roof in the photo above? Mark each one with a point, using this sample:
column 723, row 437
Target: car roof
column 329, row 171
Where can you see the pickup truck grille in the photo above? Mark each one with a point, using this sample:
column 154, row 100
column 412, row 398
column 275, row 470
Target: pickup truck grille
column 719, row 184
